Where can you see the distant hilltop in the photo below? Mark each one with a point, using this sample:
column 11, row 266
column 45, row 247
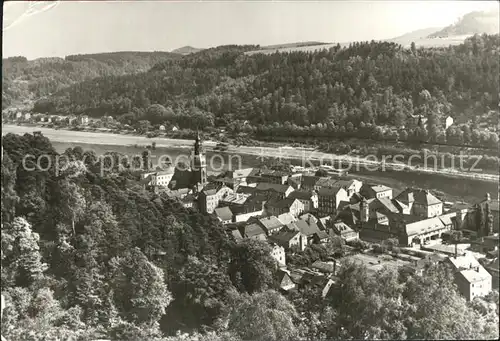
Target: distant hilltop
column 185, row 50
column 472, row 23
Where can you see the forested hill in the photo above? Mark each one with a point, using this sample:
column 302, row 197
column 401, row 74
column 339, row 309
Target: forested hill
column 378, row 82
column 27, row 80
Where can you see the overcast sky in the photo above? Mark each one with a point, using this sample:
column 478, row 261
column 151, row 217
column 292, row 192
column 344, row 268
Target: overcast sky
column 46, row 29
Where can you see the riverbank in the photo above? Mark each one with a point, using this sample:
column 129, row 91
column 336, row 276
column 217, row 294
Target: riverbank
column 306, row 156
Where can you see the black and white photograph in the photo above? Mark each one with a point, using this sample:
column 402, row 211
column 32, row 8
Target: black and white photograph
column 250, row 170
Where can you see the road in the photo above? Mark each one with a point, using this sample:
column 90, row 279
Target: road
column 306, row 155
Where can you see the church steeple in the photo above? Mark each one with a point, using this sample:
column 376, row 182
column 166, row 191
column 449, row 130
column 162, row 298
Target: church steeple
column 197, row 144
column 199, row 163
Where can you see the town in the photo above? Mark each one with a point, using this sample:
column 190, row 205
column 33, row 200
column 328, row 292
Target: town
column 253, row 170
column 365, row 222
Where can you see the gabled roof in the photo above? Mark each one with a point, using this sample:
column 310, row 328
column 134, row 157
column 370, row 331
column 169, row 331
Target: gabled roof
column 165, row 171
column 321, row 235
column 236, row 199
column 246, row 190
column 328, row 182
column 282, row 275
column 273, row 173
column 469, row 268
column 264, row 186
column 181, row 179
column 345, row 183
column 301, row 195
column 329, row 191
column 237, row 235
column 177, row 193
column 307, row 228
column 340, row 228
column 377, row 215
column 271, row 223
column 286, row 218
column 307, row 216
column 224, row 213
column 310, row 181
column 295, row 182
column 243, row 173
column 417, row 195
column 446, row 218
column 327, row 267
column 322, row 222
column 252, row 230
column 424, row 226
column 380, row 188
column 388, row 204
column 281, row 203
column 283, row 237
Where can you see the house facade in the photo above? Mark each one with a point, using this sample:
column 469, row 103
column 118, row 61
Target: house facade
column 471, row 278
column 278, row 253
column 329, row 200
column 308, row 198
column 289, row 239
column 419, row 202
column 277, row 207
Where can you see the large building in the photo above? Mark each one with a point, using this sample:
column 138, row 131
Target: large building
column 419, row 202
column 471, row 278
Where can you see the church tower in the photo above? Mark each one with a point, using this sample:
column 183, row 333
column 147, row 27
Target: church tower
column 199, row 163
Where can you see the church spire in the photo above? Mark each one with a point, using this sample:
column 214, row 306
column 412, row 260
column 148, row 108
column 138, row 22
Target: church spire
column 197, row 144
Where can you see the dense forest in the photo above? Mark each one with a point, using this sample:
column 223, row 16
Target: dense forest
column 375, row 90
column 90, row 254
column 29, row 80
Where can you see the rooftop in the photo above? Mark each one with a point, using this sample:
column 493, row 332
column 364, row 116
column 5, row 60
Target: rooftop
column 341, row 228
column 224, row 213
column 388, row 204
column 253, row 230
column 418, row 195
column 301, row 195
column 243, row 173
column 271, row 223
column 328, row 182
column 281, row 203
column 381, row 188
column 329, row 191
column 307, row 216
column 263, row 186
column 286, row 218
column 237, row 235
column 306, row 227
column 236, row 199
column 424, row 226
column 283, row 236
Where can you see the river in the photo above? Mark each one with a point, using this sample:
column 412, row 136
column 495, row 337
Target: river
column 467, row 189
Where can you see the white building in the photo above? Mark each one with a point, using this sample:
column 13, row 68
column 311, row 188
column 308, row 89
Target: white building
column 448, row 122
column 471, row 278
column 278, row 253
column 160, row 178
